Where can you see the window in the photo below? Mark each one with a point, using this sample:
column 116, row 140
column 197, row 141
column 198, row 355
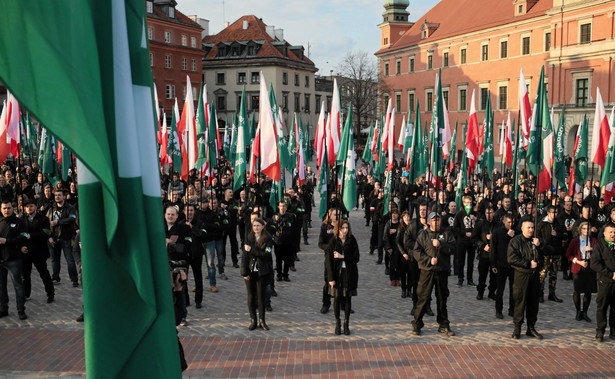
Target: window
column 193, row 41
column 149, row 6
column 170, row 91
column 586, row 33
column 411, row 69
column 171, row 12
column 520, row 9
column 398, row 67
column 547, row 41
column 297, row 80
column 485, row 53
column 184, row 40
column 317, row 101
column 307, row 103
column 429, row 62
column 463, row 99
column 235, row 51
column 504, row 49
column 445, row 97
column 384, row 106
column 220, row 78
column 151, row 59
column 411, row 101
column 307, row 81
column 429, row 101
column 503, row 97
column 386, row 69
column 484, row 95
column 241, row 78
column 167, row 61
column 254, row 101
column 184, row 63
column 285, row 101
column 167, row 37
column 386, row 41
column 582, row 92
column 250, row 50
column 464, row 56
column 221, row 102
column 297, row 103
column 398, row 102
column 285, row 78
column 445, row 60
column 194, row 65
column 526, row 46
column 255, row 77
column 150, row 33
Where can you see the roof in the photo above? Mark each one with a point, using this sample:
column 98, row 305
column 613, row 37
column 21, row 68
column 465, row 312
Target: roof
column 180, row 18
column 455, row 17
column 256, row 32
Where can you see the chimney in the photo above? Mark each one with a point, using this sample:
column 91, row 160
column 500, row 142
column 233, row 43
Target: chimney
column 204, row 24
column 279, row 34
column 245, row 24
column 225, row 24
column 270, row 30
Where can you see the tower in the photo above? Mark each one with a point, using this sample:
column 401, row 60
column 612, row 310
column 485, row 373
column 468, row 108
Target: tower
column 394, row 21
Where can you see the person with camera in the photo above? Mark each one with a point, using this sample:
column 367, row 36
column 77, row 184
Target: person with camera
column 342, row 256
column 257, row 270
column 62, row 219
column 579, row 253
column 13, row 239
column 432, row 252
column 179, row 247
column 37, row 226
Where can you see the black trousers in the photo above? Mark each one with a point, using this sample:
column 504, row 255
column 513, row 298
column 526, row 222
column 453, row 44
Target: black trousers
column 526, row 290
column 604, row 301
column 404, row 274
column 427, row 281
column 41, row 267
column 231, row 233
column 284, row 258
column 504, row 274
column 197, row 270
column 326, row 297
column 415, row 272
column 256, row 294
column 464, row 250
column 373, row 239
column 484, row 269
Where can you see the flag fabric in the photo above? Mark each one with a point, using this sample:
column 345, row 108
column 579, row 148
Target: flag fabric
column 435, row 135
column 270, row 158
column 608, row 173
column 9, row 122
column 211, row 142
column 174, row 155
column 239, row 145
column 321, row 185
column 507, row 155
column 158, row 119
column 559, row 163
column 47, row 158
column 13, row 122
column 413, row 164
column 488, row 151
column 403, row 131
column 425, row 164
column 387, row 192
column 502, row 140
column 525, row 109
column 164, row 141
column 292, row 147
column 349, row 180
column 279, row 129
column 601, row 132
column 452, row 152
column 580, row 156
column 472, row 144
column 534, row 143
column 545, row 174
column 446, row 131
column 125, row 268
column 254, row 153
column 389, row 140
column 385, row 126
column 376, row 140
column 319, row 138
column 301, row 144
column 336, row 123
column 226, row 141
column 30, row 136
column 186, row 130
column 200, row 123
column 367, row 151
column 232, row 146
column 462, row 177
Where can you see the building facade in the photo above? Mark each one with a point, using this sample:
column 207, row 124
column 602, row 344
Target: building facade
column 235, row 57
column 175, row 52
column 481, row 47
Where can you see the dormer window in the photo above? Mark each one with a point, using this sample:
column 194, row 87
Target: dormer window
column 424, row 34
column 149, row 6
column 172, row 12
column 520, row 9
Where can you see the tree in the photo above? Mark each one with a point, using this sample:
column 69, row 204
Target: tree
column 358, row 79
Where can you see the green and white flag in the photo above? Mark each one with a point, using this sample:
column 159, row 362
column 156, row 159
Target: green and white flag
column 173, row 149
column 367, row 151
column 559, row 162
column 580, row 158
column 387, row 192
column 279, row 127
column 47, row 158
column 240, row 147
column 97, row 57
column 201, row 127
column 533, row 155
column 462, row 177
column 488, row 153
column 321, row 185
column 292, row 147
column 232, row 147
column 349, row 184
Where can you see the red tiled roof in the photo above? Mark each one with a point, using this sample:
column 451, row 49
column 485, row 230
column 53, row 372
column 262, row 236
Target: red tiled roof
column 256, row 31
column 463, row 16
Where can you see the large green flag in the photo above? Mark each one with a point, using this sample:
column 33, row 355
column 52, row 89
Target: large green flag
column 414, row 169
column 533, row 156
column 488, row 158
column 282, row 147
column 173, row 148
column 240, row 147
column 462, row 176
column 321, row 185
column 453, row 150
column 212, row 139
column 87, row 78
column 47, row 158
column 559, row 163
column 349, row 184
column 201, row 127
column 435, row 134
column 367, row 151
column 292, row 147
column 346, row 132
column 580, row 158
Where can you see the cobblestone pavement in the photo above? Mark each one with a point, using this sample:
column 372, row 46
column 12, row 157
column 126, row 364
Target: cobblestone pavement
column 218, row 343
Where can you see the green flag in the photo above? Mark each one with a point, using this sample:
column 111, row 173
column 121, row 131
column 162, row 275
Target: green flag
column 425, row 152
column 66, row 160
column 387, row 192
column 435, row 134
column 367, row 151
column 451, row 154
column 321, row 185
column 344, row 139
column 559, row 163
column 533, row 156
column 226, row 142
column 97, row 55
column 292, row 147
column 282, row 147
column 173, row 148
column 307, row 151
column 232, row 146
column 240, row 147
column 349, row 184
column 29, row 136
column 488, row 158
column 414, row 169
column 47, row 158
column 277, row 193
column 580, row 158
column 462, row 178
column 211, row 156
column 201, row 127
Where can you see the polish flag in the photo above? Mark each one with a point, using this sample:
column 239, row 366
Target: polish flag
column 601, row 133
column 446, row 133
column 157, row 104
column 270, row 161
column 335, row 121
column 508, row 144
column 525, row 109
column 13, row 119
column 186, row 128
column 385, row 128
column 472, row 144
column 403, row 131
column 256, row 146
column 164, row 141
column 391, row 136
column 375, row 140
column 572, row 186
column 319, row 139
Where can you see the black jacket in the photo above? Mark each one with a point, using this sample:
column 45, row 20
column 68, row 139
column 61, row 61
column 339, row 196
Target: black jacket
column 463, row 224
column 424, row 250
column 38, row 233
column 482, row 229
column 521, row 252
column 197, row 232
column 603, row 261
column 210, row 224
column 553, row 244
column 67, row 218
column 259, row 257
column 14, row 230
column 498, row 256
column 350, row 251
column 181, row 250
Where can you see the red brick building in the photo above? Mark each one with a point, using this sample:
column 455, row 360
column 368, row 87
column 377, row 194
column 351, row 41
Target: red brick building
column 175, row 51
column 481, row 46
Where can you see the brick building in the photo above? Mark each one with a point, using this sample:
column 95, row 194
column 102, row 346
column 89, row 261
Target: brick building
column 481, row 46
column 175, row 51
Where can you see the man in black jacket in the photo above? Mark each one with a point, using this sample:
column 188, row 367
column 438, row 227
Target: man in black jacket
column 525, row 257
column 197, row 251
column 12, row 246
column 62, row 219
column 231, row 207
column 551, row 232
column 498, row 255
column 432, row 252
column 484, row 231
column 281, row 225
column 603, row 263
column 463, row 229
column 38, row 229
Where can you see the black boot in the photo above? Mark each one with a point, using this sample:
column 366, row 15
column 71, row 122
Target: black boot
column 517, row 332
column 252, row 324
column 541, row 299
column 428, row 310
column 338, row 327
column 346, row 330
column 263, row 324
column 578, row 317
column 585, row 317
column 552, row 297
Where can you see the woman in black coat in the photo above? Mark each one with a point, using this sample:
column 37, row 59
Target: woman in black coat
column 342, row 256
column 256, row 267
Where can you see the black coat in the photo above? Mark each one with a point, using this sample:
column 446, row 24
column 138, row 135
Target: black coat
column 603, row 261
column 38, row 234
column 424, row 250
column 521, row 252
column 181, row 250
column 350, row 251
column 14, row 230
column 498, row 256
column 259, row 256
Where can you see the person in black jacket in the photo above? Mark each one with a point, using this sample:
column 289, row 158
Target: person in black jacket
column 603, row 263
column 341, row 261
column 256, row 267
column 551, row 232
column 197, row 231
column 484, row 232
column 391, row 229
column 38, row 229
column 179, row 246
column 62, row 219
column 498, row 256
column 327, row 229
column 12, row 245
column 432, row 252
column 211, row 225
column 463, row 229
column 526, row 258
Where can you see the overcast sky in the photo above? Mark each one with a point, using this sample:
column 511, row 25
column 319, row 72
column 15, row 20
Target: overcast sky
column 329, row 27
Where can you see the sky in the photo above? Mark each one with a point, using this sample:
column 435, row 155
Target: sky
column 329, row 27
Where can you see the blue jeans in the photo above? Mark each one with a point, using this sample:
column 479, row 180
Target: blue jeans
column 56, row 255
column 221, row 253
column 14, row 267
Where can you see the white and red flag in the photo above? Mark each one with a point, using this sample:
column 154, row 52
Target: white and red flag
column 525, row 110
column 601, row 133
column 186, row 130
column 472, row 143
column 270, row 160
